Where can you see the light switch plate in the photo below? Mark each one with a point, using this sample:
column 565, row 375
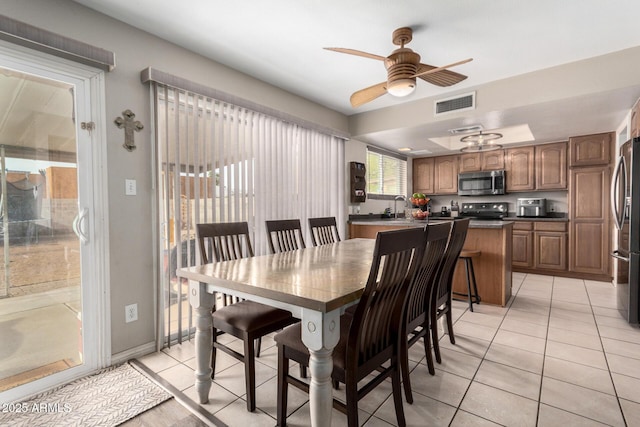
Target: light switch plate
column 130, row 187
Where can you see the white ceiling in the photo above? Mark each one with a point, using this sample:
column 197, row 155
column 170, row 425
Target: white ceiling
column 281, row 41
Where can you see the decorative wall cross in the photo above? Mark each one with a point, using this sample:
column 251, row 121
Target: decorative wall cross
column 129, row 126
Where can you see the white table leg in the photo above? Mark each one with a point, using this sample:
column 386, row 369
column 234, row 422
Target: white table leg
column 202, row 302
column 320, row 333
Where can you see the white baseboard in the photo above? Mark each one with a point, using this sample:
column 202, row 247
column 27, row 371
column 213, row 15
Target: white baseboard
column 133, row 353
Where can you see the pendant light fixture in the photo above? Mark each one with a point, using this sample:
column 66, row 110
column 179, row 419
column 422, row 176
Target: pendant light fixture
column 481, row 142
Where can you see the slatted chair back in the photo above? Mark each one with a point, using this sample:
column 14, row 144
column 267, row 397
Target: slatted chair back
column 417, row 313
column 323, row 230
column 284, row 235
column 228, row 241
column 427, row 274
column 224, row 242
column 375, row 328
column 456, row 242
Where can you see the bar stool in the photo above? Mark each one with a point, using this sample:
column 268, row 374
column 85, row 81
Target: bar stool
column 467, row 256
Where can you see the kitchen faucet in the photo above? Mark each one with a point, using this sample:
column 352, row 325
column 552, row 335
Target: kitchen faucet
column 395, row 209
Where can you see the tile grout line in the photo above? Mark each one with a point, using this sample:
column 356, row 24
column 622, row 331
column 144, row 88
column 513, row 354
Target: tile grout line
column 606, row 359
column 177, row 394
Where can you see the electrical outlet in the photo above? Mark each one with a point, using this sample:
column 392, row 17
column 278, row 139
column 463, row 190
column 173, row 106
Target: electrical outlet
column 130, row 313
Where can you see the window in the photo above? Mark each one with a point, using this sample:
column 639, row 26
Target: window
column 386, row 174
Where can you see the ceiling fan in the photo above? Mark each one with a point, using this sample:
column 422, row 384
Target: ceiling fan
column 403, row 66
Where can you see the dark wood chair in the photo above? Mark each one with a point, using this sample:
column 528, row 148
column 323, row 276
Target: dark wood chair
column 284, row 235
column 247, row 320
column 368, row 339
column 441, row 298
column 323, row 231
column 417, row 318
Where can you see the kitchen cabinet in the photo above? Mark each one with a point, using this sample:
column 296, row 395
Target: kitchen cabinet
column 473, row 162
column 446, row 175
column 591, row 150
column 551, row 166
column 423, row 177
column 537, row 168
column 522, row 246
column 589, row 245
column 540, row 246
column 519, row 167
column 550, row 246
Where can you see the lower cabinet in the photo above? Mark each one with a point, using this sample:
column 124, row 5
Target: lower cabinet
column 540, row 246
column 550, row 250
column 522, row 248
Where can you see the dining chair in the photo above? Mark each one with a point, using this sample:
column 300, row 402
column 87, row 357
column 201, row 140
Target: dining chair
column 368, row 339
column 246, row 320
column 323, row 230
column 284, row 235
column 416, row 321
column 441, row 297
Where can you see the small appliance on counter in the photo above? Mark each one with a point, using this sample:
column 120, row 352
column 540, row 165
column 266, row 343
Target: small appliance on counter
column 454, row 208
column 531, row 208
column 484, row 210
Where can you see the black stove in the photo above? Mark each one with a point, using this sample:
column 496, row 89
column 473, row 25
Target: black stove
column 484, row 210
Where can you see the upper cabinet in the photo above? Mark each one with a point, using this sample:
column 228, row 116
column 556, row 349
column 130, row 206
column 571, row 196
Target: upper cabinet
column 540, row 167
column 435, row 175
column 590, row 150
column 519, row 167
column 551, row 166
column 423, row 175
column 446, row 175
column 473, row 162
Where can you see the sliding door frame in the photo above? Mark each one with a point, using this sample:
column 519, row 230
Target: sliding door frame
column 89, row 90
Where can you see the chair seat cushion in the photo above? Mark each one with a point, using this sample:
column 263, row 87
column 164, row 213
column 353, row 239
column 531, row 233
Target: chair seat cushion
column 250, row 315
column 292, row 337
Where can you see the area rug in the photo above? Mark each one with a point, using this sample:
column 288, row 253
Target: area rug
column 108, row 398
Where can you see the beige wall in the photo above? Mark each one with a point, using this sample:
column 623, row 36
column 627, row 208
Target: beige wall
column 131, row 255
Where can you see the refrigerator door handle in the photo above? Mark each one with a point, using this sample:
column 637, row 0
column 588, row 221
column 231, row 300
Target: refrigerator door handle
column 616, row 254
column 618, row 211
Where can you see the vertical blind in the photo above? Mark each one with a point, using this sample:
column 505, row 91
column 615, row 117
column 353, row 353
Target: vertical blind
column 218, row 162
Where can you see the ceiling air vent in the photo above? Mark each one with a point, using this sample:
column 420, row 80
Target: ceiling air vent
column 457, row 103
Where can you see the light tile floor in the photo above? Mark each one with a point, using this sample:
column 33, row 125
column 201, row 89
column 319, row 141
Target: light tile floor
column 558, row 355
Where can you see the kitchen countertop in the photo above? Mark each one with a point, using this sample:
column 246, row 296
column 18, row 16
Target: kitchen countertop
column 419, row 223
column 544, row 219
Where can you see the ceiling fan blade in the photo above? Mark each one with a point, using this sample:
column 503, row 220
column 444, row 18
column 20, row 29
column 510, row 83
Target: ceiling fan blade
column 441, row 76
column 356, row 52
column 368, row 94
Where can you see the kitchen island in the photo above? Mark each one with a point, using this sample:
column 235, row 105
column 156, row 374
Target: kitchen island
column 492, row 238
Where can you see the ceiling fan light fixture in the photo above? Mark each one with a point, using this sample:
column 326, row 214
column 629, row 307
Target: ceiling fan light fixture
column 402, row 87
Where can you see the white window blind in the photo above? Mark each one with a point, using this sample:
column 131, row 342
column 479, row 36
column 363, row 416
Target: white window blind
column 386, row 174
column 218, row 162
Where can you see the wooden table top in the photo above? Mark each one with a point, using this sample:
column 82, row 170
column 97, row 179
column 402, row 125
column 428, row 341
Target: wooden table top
column 322, row 278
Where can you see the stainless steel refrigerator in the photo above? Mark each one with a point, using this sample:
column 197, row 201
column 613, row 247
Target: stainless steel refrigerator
column 625, row 203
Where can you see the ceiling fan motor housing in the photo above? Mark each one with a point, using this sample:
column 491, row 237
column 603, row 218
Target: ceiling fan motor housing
column 401, row 66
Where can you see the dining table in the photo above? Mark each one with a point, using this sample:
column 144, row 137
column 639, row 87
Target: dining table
column 315, row 284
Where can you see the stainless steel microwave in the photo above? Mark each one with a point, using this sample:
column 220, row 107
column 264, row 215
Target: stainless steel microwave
column 486, row 183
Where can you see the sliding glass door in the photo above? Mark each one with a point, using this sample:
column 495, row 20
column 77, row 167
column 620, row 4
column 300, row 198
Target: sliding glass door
column 46, row 217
